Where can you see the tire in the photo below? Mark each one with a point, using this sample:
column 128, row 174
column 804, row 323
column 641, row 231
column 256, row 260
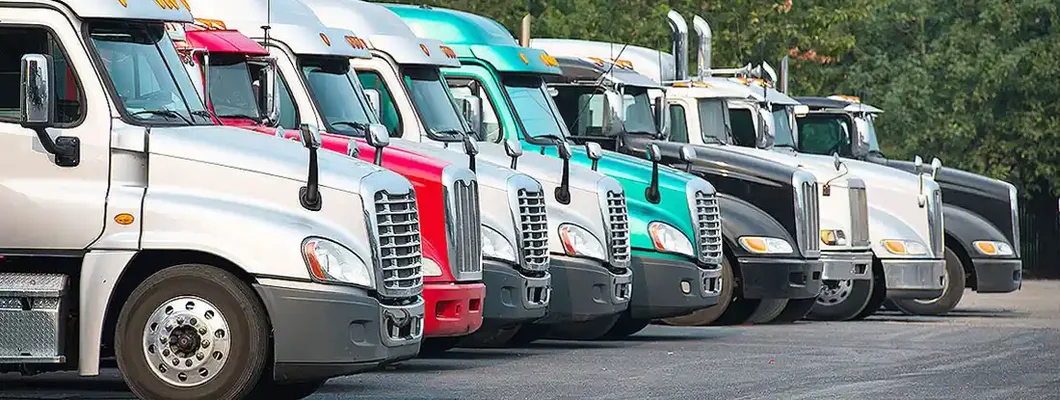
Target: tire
column 767, row 311
column 434, row 347
column 709, row 315
column 587, row 330
column 879, row 292
column 626, row 327
column 490, row 338
column 529, row 333
column 841, row 300
column 268, row 390
column 796, row 309
column 199, row 296
column 952, row 291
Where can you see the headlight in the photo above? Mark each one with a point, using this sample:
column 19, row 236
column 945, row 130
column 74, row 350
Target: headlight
column 765, row 245
column 496, row 246
column 431, row 268
column 992, row 248
column 833, row 237
column 905, row 247
column 669, row 239
column 331, row 262
column 579, row 242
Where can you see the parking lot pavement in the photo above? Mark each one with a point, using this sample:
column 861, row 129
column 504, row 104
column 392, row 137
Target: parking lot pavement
column 994, row 346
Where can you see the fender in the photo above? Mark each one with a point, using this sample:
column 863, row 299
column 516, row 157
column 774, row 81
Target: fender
column 742, row 218
column 885, row 225
column 967, row 227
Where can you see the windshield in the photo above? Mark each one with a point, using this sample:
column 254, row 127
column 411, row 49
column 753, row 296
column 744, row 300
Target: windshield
column 146, row 73
column 533, row 106
column 337, row 94
column 785, row 133
column 638, row 116
column 867, row 131
column 714, row 120
column 231, row 90
column 432, row 99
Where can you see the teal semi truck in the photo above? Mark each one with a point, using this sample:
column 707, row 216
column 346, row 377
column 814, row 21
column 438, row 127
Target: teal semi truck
column 674, row 218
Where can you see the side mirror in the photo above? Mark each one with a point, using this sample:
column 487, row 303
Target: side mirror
column 654, row 154
column 688, row 156
column 513, row 150
column 936, row 166
column 918, row 164
column 471, row 149
column 352, row 150
column 836, row 162
column 310, row 136
column 613, row 113
column 662, row 116
column 373, row 101
column 801, row 110
column 593, row 150
column 652, row 193
column 36, row 92
column 471, row 109
column 378, row 137
column 563, row 148
column 767, row 130
column 268, row 92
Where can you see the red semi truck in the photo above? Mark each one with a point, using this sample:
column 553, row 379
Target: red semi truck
column 235, row 77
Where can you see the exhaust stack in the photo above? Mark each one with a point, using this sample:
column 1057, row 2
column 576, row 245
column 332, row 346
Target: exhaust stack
column 678, row 44
column 782, row 85
column 524, row 31
column 703, row 51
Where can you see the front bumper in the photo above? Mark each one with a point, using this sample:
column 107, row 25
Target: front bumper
column 322, row 331
column 998, row 276
column 780, row 278
column 846, row 265
column 914, row 278
column 665, row 287
column 583, row 290
column 513, row 298
column 452, row 309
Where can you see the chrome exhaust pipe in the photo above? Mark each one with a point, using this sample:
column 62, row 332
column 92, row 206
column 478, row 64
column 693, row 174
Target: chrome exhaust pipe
column 678, row 44
column 703, row 50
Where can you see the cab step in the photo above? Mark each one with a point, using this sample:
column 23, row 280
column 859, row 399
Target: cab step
column 32, row 318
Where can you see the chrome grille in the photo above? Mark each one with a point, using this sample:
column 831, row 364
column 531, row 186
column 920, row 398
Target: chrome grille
column 807, row 214
column 533, row 229
column 617, row 223
column 935, row 229
column 463, row 227
column 707, row 218
column 859, row 216
column 397, row 243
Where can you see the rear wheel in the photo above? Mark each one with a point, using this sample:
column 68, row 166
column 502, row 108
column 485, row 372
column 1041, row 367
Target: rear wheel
column 795, row 310
column 192, row 332
column 709, row 315
column 626, row 327
column 767, row 311
column 490, row 338
column 841, row 300
column 587, row 330
column 952, row 291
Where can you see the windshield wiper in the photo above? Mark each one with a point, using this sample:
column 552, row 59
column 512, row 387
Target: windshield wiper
column 202, row 113
column 164, row 113
column 243, row 116
column 448, row 132
column 552, row 136
column 360, row 126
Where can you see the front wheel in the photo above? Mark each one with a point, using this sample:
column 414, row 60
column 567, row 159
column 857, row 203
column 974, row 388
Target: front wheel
column 795, row 310
column 709, row 315
column 434, row 347
column 490, row 338
column 952, row 291
column 841, row 300
column 192, row 332
column 626, row 327
column 767, row 311
column 585, row 330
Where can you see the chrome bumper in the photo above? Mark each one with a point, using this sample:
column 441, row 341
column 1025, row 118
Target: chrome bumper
column 907, row 274
column 846, row 265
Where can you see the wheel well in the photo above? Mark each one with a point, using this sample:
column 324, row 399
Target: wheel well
column 726, row 250
column 143, row 265
column 954, row 244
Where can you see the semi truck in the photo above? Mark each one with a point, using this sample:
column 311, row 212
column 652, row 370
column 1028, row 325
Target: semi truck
column 229, row 67
column 980, row 214
column 588, row 241
column 198, row 258
column 674, row 218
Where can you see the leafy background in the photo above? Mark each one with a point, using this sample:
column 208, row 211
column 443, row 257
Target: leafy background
column 973, row 82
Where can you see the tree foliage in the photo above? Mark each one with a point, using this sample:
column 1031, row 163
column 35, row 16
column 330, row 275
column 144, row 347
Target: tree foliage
column 974, row 82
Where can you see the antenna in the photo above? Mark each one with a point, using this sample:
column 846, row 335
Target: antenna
column 268, row 22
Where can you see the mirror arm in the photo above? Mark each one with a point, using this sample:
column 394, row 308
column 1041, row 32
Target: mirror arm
column 379, row 156
column 515, row 162
column 652, row 192
column 66, row 149
column 309, row 195
column 563, row 191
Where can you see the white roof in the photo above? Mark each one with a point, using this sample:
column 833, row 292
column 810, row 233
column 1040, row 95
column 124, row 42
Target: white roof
column 645, row 61
column 143, row 10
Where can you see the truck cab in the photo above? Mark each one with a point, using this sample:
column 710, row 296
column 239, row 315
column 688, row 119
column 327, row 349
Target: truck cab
column 229, row 67
column 198, row 257
column 674, row 218
column 980, row 214
column 588, row 244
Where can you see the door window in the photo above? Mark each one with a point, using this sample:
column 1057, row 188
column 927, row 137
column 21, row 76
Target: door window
column 16, row 42
column 468, row 88
column 678, row 124
column 387, row 108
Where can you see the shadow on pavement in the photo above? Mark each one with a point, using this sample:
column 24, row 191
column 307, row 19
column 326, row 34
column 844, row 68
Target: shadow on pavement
column 477, row 354
column 55, row 386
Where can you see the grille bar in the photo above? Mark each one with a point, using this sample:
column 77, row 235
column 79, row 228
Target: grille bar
column 812, row 217
column 859, row 217
column 397, row 243
column 707, row 220
column 463, row 227
column 617, row 224
column 935, row 229
column 533, row 229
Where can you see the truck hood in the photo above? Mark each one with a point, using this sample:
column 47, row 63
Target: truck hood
column 823, row 172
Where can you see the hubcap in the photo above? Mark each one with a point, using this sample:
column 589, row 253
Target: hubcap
column 186, row 341
column 834, row 292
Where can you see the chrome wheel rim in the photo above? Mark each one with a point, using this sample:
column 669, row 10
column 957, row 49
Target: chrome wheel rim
column 186, row 341
column 835, row 292
column 945, row 289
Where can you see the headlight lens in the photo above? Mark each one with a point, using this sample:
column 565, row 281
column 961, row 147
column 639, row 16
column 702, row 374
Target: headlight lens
column 993, row 248
column 765, row 245
column 331, row 262
column 905, row 247
column 579, row 242
column 669, row 239
column 431, row 268
column 833, row 237
column 496, row 246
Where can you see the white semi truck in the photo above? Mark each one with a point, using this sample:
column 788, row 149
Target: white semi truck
column 199, row 257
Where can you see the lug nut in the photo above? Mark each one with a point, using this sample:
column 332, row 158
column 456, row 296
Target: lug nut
column 200, row 356
column 165, row 352
column 193, row 321
column 164, row 339
column 187, row 363
column 205, row 343
column 202, row 330
column 176, row 362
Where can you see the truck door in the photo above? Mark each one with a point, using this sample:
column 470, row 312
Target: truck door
column 44, row 206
